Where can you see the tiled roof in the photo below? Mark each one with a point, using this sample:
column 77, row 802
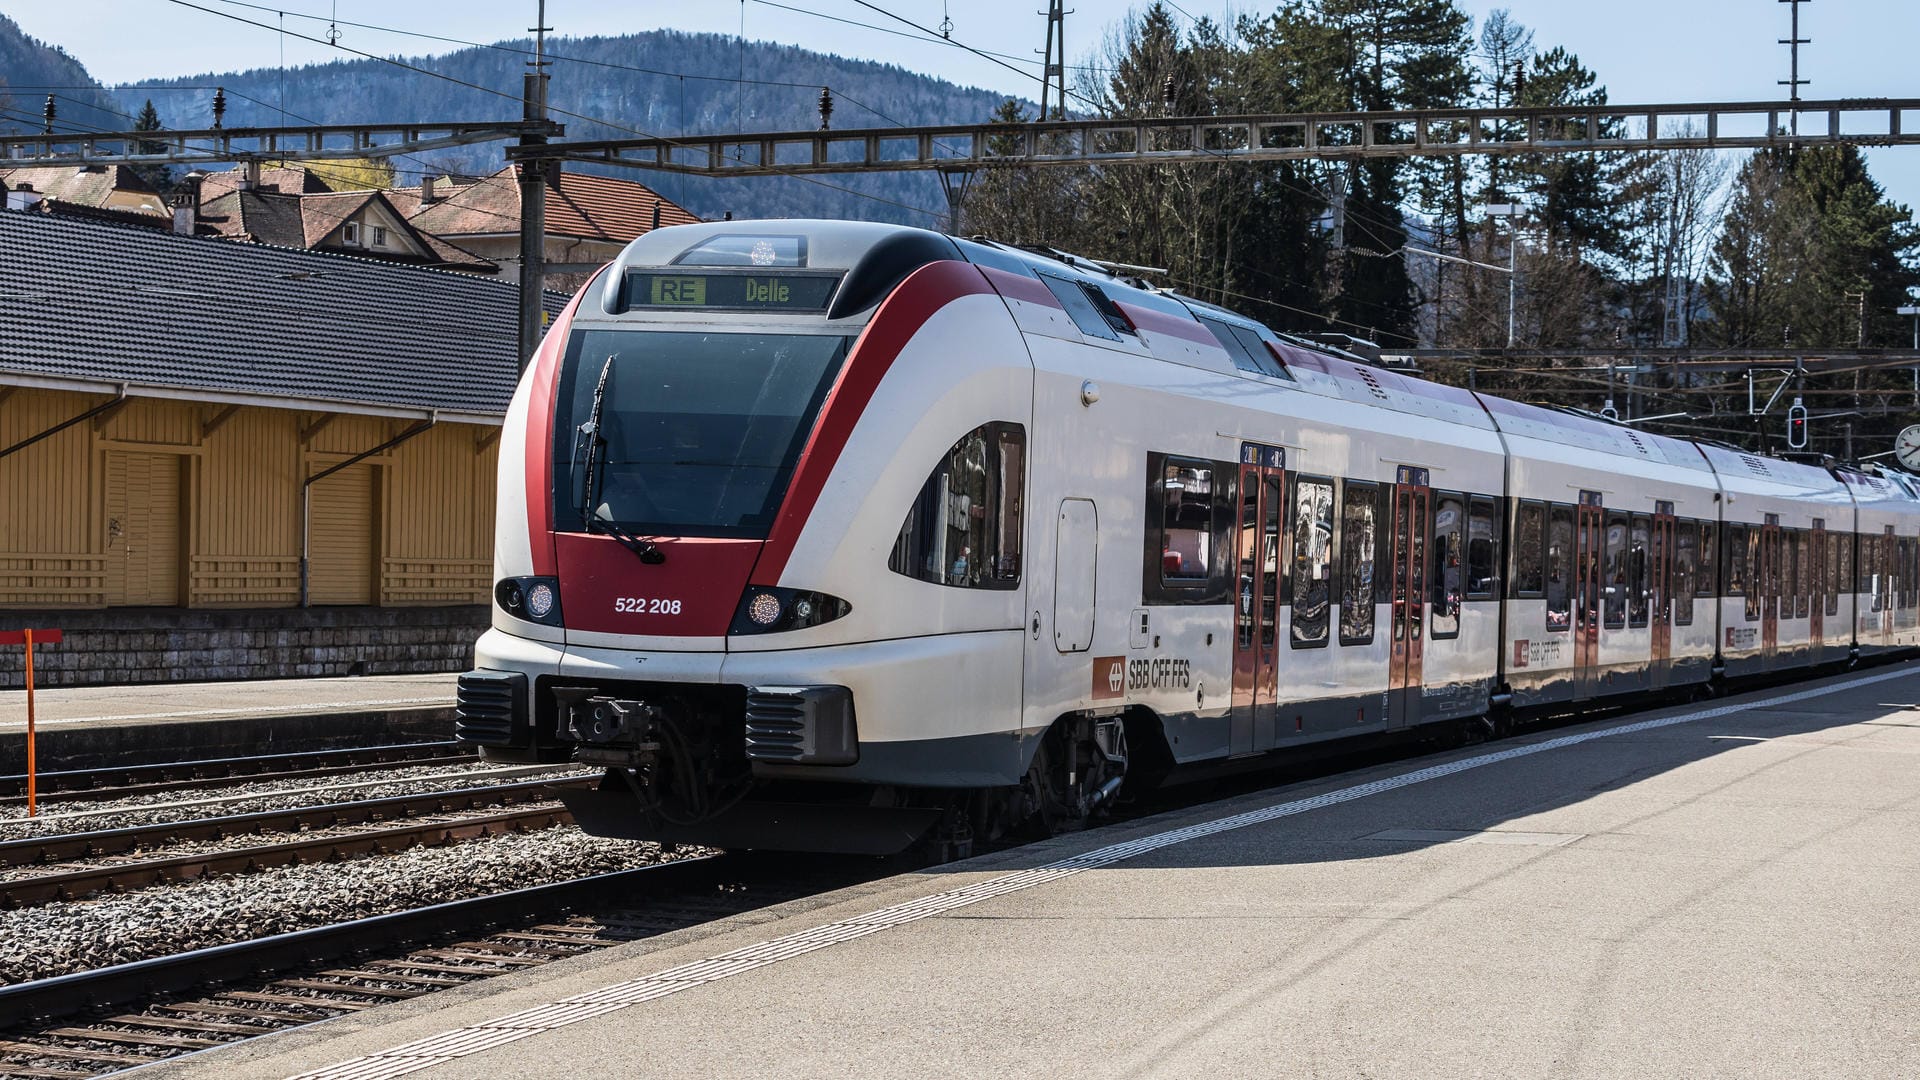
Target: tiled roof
column 111, row 304
column 287, row 180
column 582, row 206
column 81, row 186
column 303, row 221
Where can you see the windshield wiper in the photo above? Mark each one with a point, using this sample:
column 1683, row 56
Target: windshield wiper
column 590, row 522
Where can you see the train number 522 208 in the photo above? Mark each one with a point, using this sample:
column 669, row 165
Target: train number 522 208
column 646, row 605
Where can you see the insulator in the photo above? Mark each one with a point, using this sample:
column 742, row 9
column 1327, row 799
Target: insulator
column 826, row 107
column 219, row 105
column 50, row 112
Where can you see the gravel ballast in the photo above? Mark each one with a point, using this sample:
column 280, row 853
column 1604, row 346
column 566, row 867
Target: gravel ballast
column 40, row 942
column 257, row 795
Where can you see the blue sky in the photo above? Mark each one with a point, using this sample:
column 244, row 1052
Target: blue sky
column 1644, row 50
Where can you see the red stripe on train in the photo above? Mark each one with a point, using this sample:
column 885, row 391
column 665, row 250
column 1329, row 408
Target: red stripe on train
column 900, row 317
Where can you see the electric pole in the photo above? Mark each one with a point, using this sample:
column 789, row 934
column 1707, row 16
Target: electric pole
column 533, row 198
column 1054, row 71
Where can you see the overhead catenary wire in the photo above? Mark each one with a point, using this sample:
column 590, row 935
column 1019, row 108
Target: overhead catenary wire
column 550, row 108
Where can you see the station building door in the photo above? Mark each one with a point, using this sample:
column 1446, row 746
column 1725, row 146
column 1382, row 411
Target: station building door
column 144, row 520
column 344, row 537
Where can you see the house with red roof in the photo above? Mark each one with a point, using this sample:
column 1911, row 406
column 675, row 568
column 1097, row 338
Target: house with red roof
column 589, row 219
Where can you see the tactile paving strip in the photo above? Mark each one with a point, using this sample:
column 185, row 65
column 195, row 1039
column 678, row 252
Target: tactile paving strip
column 462, row 1042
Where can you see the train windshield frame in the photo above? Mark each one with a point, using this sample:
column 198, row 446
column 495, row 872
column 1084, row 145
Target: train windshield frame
column 698, row 431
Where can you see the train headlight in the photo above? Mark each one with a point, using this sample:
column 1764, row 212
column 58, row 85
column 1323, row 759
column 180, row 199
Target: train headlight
column 540, row 600
column 535, row 599
column 763, row 609
column 766, row 609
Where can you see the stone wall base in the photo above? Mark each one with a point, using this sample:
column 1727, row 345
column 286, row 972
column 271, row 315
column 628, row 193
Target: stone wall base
column 148, row 645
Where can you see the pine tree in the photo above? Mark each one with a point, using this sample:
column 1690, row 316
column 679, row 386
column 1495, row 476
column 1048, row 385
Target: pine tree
column 159, row 177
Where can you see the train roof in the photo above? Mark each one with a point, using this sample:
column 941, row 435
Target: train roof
column 876, row 257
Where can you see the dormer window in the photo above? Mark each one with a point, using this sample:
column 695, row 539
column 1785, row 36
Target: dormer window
column 350, row 233
column 379, row 236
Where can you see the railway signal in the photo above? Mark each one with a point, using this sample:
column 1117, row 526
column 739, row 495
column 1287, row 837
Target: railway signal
column 1797, row 425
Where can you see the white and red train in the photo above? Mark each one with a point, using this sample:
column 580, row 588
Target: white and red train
column 823, row 535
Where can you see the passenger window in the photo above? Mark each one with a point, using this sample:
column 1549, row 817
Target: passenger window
column 1843, row 543
column 1686, row 570
column 1079, row 307
column 1613, row 573
column 1358, row 558
column 1482, row 552
column 1446, row 580
column 1831, row 573
column 1529, row 550
column 1756, row 570
column 965, row 526
column 1560, row 567
column 1190, row 507
column 1706, row 583
column 1803, row 574
column 1312, row 561
column 1639, row 572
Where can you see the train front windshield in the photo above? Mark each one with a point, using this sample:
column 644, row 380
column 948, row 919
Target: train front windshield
column 667, row 433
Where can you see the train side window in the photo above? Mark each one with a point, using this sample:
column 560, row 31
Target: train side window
column 1079, row 308
column 965, row 526
column 1446, row 576
column 1705, row 583
column 1842, row 546
column 1803, row 575
column 1560, row 583
column 1482, row 548
column 1784, row 583
column 1312, row 561
column 1383, row 549
column 1358, row 556
column 1736, row 537
column 1613, row 573
column 1869, row 570
column 1756, row 570
column 1639, row 570
column 1529, row 550
column 1831, row 573
column 1190, row 522
column 1686, row 570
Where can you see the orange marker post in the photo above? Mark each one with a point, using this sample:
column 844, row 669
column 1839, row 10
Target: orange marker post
column 27, row 638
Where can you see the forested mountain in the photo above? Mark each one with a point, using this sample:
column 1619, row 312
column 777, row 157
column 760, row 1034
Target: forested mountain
column 31, row 69
column 597, row 77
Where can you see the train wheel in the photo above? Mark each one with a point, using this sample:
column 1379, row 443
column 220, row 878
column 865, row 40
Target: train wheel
column 1076, row 772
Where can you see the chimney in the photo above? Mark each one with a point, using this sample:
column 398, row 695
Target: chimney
column 186, row 203
column 426, row 190
column 22, row 196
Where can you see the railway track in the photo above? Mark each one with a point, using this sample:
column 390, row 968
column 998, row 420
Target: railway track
column 43, row 869
column 115, row 1018
column 130, row 780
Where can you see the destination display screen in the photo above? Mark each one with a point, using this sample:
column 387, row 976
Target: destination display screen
column 734, row 292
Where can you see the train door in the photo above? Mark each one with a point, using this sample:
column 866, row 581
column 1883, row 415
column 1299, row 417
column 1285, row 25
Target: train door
column 1412, row 512
column 1771, row 578
column 1256, row 636
column 1660, row 592
column 1589, row 549
column 1817, row 624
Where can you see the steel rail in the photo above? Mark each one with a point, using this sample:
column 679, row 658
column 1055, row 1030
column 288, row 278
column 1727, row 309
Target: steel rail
column 67, row 847
column 145, row 980
column 165, row 769
column 394, row 757
column 80, row 884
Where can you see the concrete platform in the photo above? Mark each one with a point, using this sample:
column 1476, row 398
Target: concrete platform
column 85, row 726
column 1692, row 892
